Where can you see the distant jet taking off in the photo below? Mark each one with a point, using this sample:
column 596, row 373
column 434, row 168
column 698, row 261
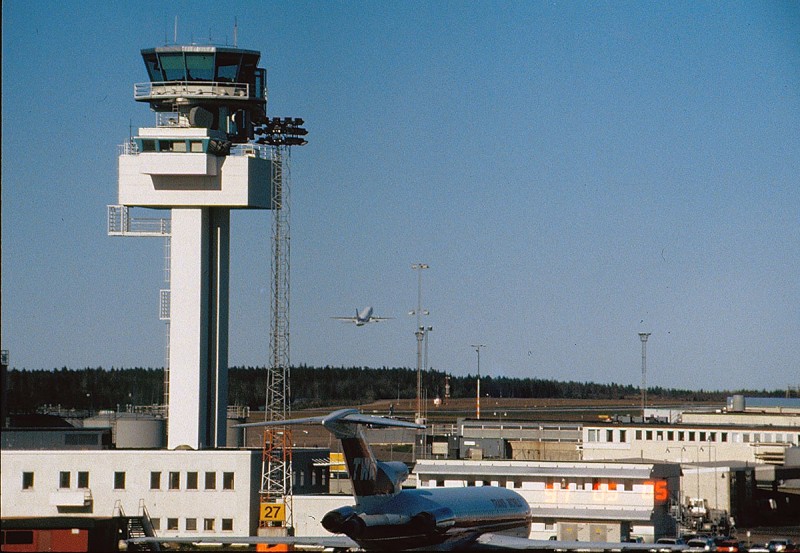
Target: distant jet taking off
column 362, row 317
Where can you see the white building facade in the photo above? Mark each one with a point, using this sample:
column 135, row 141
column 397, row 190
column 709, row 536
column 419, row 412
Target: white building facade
column 575, row 500
column 186, row 493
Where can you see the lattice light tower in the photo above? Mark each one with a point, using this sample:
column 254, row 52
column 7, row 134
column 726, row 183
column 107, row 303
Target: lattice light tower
column 276, row 485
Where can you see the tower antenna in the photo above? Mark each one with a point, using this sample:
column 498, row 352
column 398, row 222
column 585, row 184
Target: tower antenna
column 235, row 32
column 175, row 32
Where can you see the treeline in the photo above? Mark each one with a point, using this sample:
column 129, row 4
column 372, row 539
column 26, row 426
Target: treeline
column 98, row 388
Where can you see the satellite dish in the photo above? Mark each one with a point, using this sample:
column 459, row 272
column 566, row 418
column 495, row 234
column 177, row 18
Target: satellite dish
column 201, row 117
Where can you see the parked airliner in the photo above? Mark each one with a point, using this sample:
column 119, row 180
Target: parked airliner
column 388, row 518
column 362, row 317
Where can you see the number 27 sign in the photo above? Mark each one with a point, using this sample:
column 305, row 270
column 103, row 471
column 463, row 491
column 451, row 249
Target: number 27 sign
column 273, row 511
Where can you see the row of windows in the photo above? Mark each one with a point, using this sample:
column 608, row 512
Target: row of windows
column 621, row 436
column 190, row 480
column 190, row 524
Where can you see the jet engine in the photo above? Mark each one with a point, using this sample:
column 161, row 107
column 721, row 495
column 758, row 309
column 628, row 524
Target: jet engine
column 436, row 521
column 345, row 520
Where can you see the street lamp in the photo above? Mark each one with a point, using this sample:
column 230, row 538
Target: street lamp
column 477, row 348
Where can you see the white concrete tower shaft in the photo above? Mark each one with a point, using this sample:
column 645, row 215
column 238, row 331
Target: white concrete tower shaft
column 199, row 326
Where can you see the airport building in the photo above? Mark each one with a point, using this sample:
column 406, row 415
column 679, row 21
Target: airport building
column 212, row 492
column 585, row 501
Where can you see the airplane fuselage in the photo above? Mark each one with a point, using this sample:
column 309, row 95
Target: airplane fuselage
column 439, row 518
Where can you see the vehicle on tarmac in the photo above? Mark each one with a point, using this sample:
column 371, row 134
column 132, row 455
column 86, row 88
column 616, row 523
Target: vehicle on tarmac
column 701, row 544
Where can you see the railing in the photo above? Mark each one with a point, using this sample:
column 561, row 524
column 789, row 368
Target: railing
column 129, row 148
column 239, row 150
column 167, row 89
column 120, row 223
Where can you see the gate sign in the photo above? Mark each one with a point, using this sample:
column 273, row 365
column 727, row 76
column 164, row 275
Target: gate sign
column 273, row 512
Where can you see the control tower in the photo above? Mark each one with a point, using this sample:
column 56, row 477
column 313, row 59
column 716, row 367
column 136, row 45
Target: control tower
column 199, row 161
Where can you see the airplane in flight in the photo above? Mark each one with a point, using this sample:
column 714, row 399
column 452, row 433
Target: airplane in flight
column 362, row 317
column 387, row 517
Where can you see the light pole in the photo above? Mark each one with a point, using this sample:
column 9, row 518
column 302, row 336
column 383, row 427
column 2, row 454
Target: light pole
column 714, row 449
column 419, row 333
column 477, row 348
column 643, row 337
column 426, row 330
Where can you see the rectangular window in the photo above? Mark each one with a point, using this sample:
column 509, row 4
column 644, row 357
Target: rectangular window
column 27, row 480
column 702, row 436
column 648, row 435
column 623, row 436
column 660, row 435
column 191, row 524
column 592, row 437
column 723, row 437
column 18, row 537
column 83, row 480
column 63, row 479
column 638, row 434
column 191, row 480
column 211, row 480
column 746, row 437
column 691, row 436
column 174, row 480
column 670, row 435
column 227, row 524
column 208, row 524
column 155, row 480
column 227, row 480
column 609, row 435
column 681, row 436
column 712, row 436
column 156, row 522
column 172, row 524
column 119, row 481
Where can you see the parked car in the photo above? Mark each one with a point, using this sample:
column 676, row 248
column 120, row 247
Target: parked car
column 727, row 545
column 776, row 546
column 701, row 545
column 671, row 541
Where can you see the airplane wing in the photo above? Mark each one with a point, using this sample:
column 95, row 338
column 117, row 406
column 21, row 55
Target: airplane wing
column 503, row 542
column 489, row 541
column 346, row 319
column 335, row 542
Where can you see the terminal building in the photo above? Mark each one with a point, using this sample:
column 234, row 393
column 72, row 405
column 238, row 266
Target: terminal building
column 585, row 501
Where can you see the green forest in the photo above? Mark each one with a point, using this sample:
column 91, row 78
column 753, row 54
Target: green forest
column 98, row 388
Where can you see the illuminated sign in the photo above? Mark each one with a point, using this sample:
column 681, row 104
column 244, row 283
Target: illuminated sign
column 660, row 492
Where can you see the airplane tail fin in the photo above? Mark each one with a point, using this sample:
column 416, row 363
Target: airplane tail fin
column 369, row 476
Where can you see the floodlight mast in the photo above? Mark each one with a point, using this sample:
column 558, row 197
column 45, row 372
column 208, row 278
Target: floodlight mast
column 420, row 334
column 643, row 337
column 477, row 348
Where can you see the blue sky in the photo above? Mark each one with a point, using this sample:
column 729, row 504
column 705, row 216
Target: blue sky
column 573, row 173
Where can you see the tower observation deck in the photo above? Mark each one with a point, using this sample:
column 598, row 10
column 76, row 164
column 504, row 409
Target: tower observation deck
column 218, row 88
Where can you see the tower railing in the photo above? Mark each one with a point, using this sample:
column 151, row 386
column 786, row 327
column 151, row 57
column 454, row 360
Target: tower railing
column 191, row 89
